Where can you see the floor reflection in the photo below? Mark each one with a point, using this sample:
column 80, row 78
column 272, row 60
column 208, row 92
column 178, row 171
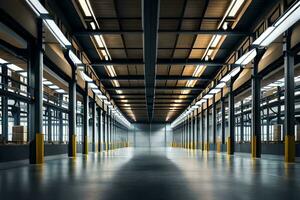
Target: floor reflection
column 155, row 173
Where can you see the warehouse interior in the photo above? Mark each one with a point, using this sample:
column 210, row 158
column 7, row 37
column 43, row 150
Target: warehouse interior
column 149, row 99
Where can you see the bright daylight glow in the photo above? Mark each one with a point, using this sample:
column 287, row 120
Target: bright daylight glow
column 85, row 77
column 56, row 32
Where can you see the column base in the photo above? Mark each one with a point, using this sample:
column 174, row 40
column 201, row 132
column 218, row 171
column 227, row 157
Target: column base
column 229, row 147
column 289, row 148
column 39, row 142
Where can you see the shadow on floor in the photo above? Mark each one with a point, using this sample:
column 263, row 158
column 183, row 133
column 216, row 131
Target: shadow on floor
column 148, row 177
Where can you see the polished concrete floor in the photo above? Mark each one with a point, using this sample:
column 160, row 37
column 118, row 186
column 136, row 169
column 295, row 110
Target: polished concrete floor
column 156, row 173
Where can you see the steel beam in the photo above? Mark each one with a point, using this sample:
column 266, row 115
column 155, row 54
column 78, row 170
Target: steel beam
column 159, row 77
column 163, row 31
column 150, row 21
column 161, row 61
column 4, row 101
column 157, row 88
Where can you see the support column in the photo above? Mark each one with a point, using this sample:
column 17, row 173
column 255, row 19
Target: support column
column 207, row 125
column 214, row 121
column 72, row 112
column 4, row 102
column 202, row 127
column 49, row 124
column 289, row 100
column 85, row 148
column 99, row 129
column 230, row 139
column 36, row 155
column 255, row 121
column 242, row 121
column 223, row 119
column 94, row 125
column 192, row 131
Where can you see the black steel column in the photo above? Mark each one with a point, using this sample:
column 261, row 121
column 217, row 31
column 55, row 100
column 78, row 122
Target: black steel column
column 99, row 129
column 202, row 127
column 207, row 124
column 214, row 121
column 256, row 123
column 85, row 120
column 36, row 155
column 231, row 139
column 289, row 100
column 4, row 102
column 223, row 119
column 72, row 111
column 242, row 121
column 94, row 126
column 49, row 124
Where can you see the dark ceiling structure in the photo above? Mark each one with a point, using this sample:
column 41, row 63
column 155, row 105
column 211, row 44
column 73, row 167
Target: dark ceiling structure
column 158, row 55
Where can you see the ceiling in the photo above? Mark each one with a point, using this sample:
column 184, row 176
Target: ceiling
column 158, row 58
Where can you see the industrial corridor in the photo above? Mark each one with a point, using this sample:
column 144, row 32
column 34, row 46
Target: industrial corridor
column 150, row 99
column 152, row 173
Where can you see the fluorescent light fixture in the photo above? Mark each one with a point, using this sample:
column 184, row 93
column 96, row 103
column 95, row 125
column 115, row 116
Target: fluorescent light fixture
column 195, row 106
column 247, row 57
column 264, row 39
column 103, row 97
column 92, row 85
column 208, row 96
column 23, row 74
column 225, row 78
column 14, row 67
column 85, row 77
column 55, row 87
column 215, row 40
column 93, row 25
column 234, row 71
column 56, row 32
column 60, row 91
column 111, row 70
column 235, row 7
column 86, row 7
column 97, row 91
column 221, row 85
column 289, row 18
column 200, row 102
column 46, row 82
column 198, row 71
column 37, row 7
column 214, row 91
column 74, row 58
column 3, row 61
column 99, row 41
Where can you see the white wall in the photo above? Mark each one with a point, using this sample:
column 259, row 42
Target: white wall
column 151, row 135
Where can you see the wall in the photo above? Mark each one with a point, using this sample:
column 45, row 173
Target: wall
column 151, row 135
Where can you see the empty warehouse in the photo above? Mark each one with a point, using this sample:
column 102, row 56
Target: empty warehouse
column 150, row 99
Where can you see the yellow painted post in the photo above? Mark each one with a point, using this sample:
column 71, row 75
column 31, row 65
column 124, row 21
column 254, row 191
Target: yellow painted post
column 39, row 145
column 253, row 147
column 289, row 148
column 74, row 148
column 218, row 146
column 228, row 145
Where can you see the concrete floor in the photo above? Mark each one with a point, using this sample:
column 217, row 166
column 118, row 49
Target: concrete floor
column 151, row 174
